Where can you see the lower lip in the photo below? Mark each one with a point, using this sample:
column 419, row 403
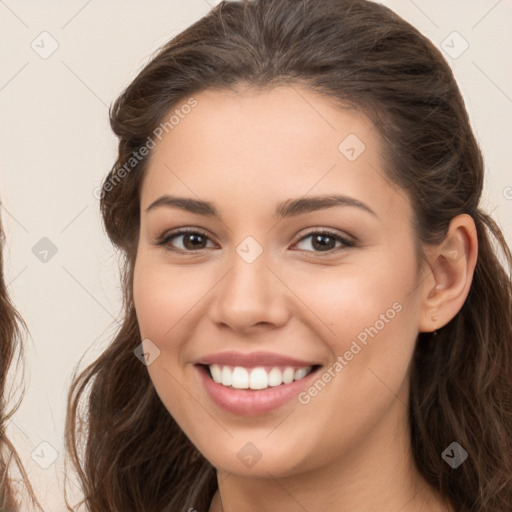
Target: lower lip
column 246, row 402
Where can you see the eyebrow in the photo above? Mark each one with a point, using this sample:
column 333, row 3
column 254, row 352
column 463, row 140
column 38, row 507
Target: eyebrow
column 288, row 208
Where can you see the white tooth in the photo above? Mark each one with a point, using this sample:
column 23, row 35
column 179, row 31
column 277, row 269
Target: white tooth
column 226, row 376
column 288, row 375
column 216, row 373
column 255, row 378
column 240, row 378
column 258, row 379
column 301, row 373
column 275, row 377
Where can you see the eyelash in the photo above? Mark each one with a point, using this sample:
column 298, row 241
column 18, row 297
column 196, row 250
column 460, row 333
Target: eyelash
column 166, row 239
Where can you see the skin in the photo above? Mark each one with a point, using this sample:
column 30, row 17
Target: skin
column 348, row 448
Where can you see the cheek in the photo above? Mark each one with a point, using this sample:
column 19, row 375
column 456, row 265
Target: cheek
column 371, row 315
column 163, row 295
column 350, row 299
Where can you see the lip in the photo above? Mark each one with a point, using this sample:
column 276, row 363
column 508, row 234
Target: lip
column 253, row 359
column 246, row 402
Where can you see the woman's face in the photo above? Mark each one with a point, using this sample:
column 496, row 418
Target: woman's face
column 261, row 277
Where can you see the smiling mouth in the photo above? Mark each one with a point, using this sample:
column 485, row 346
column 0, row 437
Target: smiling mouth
column 256, row 378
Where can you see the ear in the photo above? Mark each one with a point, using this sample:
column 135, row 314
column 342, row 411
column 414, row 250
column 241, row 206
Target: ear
column 451, row 265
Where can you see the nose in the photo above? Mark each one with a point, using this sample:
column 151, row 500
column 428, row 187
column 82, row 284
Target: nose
column 250, row 296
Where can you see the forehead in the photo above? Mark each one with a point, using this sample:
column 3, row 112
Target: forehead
column 249, row 147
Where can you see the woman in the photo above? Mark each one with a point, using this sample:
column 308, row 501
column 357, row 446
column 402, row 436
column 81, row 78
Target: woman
column 316, row 317
column 10, row 349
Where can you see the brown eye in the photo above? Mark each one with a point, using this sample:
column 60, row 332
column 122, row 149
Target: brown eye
column 191, row 240
column 325, row 241
column 194, row 241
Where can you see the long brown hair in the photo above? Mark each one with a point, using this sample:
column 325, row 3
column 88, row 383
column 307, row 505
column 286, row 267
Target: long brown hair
column 11, row 355
column 129, row 452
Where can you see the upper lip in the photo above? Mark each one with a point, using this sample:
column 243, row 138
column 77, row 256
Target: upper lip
column 253, row 359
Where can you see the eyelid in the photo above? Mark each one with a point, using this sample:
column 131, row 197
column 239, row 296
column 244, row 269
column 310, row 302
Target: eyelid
column 345, row 238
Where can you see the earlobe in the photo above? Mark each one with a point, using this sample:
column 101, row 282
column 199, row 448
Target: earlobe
column 451, row 265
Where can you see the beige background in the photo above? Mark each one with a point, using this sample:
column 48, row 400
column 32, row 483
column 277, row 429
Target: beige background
column 56, row 146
